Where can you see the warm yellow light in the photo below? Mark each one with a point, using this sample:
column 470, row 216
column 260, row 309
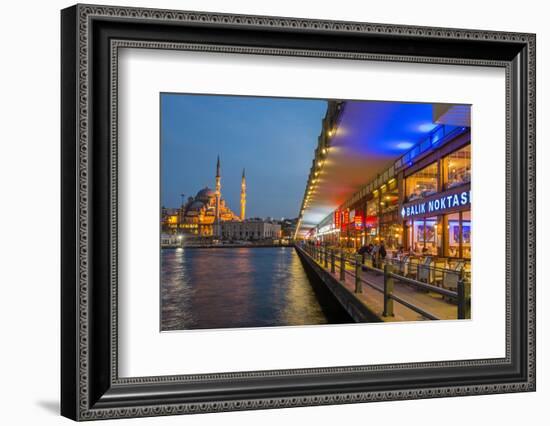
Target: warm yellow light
column 324, row 151
column 330, row 132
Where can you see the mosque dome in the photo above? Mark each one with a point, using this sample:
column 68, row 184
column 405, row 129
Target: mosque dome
column 195, row 206
column 205, row 194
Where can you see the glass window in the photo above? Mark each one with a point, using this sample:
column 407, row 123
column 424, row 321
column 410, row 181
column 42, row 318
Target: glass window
column 466, row 235
column 458, row 166
column 425, row 236
column 392, row 235
column 456, row 239
column 371, row 220
column 389, row 201
column 422, row 183
column 454, row 234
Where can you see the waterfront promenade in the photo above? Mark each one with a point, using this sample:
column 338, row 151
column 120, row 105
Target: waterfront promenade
column 371, row 292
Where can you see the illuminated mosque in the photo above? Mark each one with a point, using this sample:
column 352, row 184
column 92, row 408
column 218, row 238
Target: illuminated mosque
column 203, row 214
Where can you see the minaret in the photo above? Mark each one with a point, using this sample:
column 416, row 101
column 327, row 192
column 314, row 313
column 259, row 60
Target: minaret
column 218, row 197
column 243, row 196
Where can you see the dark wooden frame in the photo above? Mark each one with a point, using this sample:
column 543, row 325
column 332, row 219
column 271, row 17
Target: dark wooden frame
column 90, row 386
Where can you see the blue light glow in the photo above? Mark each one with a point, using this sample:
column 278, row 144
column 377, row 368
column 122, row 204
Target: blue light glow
column 427, row 127
column 404, row 145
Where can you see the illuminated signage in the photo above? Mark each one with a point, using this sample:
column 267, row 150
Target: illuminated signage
column 358, row 221
column 346, row 216
column 437, row 204
column 337, row 221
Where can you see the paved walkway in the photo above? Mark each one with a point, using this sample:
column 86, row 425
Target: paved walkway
column 373, row 296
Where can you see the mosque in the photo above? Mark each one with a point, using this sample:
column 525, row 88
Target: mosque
column 203, row 214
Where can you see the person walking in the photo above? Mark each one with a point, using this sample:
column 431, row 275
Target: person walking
column 374, row 254
column 381, row 253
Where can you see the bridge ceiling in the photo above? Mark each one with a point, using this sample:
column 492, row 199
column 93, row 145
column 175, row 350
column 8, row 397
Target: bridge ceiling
column 370, row 136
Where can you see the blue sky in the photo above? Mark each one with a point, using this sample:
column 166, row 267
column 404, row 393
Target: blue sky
column 272, row 138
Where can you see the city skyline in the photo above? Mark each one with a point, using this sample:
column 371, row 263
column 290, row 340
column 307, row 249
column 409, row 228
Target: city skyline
column 272, row 138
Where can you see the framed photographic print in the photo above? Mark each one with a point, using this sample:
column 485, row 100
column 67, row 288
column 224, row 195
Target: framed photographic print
column 263, row 212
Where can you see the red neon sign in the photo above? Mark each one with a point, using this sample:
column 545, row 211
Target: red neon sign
column 358, row 221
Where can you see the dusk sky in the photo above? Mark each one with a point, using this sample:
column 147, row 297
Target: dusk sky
column 273, row 139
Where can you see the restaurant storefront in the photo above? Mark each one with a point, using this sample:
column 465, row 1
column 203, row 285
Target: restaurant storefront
column 422, row 208
column 435, row 206
column 440, row 224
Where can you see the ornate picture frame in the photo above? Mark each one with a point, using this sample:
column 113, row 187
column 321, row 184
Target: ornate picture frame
column 90, row 39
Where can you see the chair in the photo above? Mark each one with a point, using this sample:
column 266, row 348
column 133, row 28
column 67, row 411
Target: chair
column 424, row 270
column 439, row 267
column 450, row 279
column 403, row 265
column 452, row 276
column 412, row 267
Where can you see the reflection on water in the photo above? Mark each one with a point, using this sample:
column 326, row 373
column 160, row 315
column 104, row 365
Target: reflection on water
column 240, row 287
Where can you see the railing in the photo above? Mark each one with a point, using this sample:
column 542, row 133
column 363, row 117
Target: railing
column 332, row 260
column 429, row 273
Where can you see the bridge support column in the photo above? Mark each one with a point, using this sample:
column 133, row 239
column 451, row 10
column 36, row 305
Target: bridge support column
column 388, row 290
column 358, row 285
column 342, row 266
column 326, row 257
column 463, row 306
column 332, row 261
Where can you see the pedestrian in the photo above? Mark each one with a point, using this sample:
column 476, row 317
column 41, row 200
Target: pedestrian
column 374, row 254
column 382, row 251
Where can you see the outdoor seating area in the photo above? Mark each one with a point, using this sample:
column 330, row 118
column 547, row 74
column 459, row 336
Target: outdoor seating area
column 444, row 272
column 438, row 271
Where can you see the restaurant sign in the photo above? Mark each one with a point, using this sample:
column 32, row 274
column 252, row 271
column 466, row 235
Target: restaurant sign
column 337, row 219
column 437, row 204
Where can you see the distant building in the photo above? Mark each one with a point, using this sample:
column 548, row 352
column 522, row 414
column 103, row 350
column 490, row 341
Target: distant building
column 170, row 241
column 250, row 230
column 288, row 228
column 170, row 220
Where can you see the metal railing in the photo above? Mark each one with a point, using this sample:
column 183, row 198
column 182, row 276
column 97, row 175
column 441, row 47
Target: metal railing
column 332, row 259
column 429, row 273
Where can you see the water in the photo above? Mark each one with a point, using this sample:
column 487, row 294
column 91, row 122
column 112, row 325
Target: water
column 241, row 287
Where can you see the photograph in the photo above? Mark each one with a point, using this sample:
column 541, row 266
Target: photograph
column 282, row 212
column 267, row 207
